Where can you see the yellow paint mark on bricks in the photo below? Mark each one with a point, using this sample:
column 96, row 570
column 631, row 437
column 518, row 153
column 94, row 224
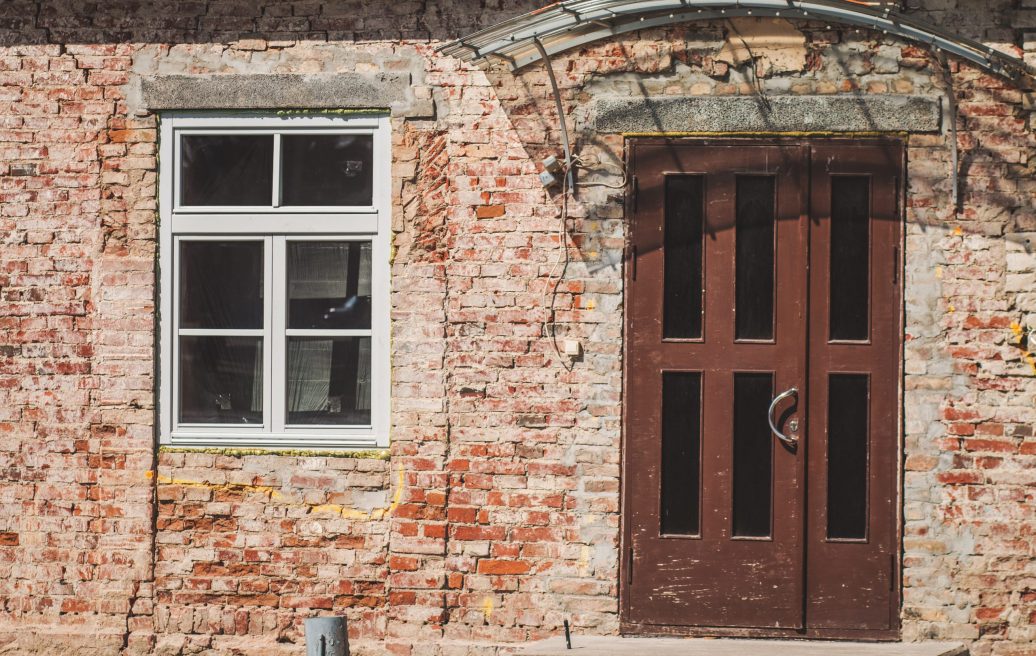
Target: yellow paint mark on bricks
column 276, row 495
column 1021, row 341
column 584, row 560
column 487, row 608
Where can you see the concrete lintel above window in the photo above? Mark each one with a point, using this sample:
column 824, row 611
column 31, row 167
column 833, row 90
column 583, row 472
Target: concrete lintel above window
column 878, row 113
column 283, row 91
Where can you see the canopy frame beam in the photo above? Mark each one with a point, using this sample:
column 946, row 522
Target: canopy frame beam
column 569, row 24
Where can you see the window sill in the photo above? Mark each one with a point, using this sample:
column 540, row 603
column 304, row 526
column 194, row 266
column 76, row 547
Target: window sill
column 329, row 442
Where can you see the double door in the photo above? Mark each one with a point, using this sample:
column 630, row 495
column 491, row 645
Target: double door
column 762, row 377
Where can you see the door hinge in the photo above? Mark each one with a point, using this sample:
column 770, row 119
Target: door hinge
column 631, row 257
column 629, row 568
column 895, row 265
column 892, row 572
column 634, row 192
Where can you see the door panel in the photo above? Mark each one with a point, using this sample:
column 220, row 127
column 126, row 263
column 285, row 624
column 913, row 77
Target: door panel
column 743, row 564
column 854, row 369
column 723, row 525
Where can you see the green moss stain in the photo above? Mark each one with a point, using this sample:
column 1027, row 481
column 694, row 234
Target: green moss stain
column 334, row 112
column 370, row 454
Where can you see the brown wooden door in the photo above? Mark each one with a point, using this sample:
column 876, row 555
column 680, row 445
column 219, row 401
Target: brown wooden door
column 727, row 523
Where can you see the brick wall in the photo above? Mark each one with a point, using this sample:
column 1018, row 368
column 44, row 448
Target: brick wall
column 496, row 514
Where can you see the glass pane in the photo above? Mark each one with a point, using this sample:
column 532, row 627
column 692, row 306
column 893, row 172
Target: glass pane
column 681, row 452
column 850, row 256
column 683, row 255
column 754, row 259
column 753, row 454
column 226, row 169
column 847, row 433
column 221, row 284
column 329, row 380
column 221, row 380
column 329, row 284
column 327, row 169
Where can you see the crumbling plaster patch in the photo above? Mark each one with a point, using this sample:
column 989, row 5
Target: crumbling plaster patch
column 773, row 44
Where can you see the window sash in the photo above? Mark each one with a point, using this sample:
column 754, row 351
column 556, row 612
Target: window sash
column 275, row 336
column 275, row 226
column 275, row 206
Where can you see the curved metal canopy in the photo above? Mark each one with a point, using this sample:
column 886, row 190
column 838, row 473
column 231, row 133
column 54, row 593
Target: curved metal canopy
column 572, row 23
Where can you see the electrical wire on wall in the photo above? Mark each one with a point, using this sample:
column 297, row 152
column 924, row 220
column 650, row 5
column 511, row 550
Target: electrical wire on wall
column 563, row 261
column 551, row 325
column 951, row 100
column 568, row 187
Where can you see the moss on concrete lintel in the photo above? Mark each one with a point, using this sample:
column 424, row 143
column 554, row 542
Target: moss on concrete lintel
column 338, row 112
column 369, row 454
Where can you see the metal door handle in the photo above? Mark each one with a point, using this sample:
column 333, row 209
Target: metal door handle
column 790, row 441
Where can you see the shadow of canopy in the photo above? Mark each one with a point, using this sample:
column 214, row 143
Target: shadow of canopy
column 67, row 22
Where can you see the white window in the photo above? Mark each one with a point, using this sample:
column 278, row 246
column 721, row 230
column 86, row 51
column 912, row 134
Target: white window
column 274, row 280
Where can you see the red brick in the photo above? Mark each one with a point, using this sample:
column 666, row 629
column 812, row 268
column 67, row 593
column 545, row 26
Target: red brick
column 502, row 567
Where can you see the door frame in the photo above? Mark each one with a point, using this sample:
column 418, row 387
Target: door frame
column 628, row 627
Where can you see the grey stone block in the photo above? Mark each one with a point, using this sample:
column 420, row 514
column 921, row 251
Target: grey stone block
column 277, row 91
column 889, row 113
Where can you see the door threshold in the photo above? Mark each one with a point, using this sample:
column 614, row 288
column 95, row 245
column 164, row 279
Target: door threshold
column 620, row 646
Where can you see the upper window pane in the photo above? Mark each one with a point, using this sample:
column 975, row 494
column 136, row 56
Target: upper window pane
column 327, row 169
column 226, row 169
column 329, row 284
column 221, row 284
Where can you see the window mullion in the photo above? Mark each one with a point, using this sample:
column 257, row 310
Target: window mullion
column 278, row 299
column 277, row 195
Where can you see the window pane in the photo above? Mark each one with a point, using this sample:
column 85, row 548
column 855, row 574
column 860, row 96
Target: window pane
column 683, row 256
column 850, row 256
column 329, row 284
column 226, row 169
column 681, row 452
column 221, row 284
column 221, row 380
column 753, row 455
column 327, row 169
column 847, row 432
column 329, row 380
column 754, row 258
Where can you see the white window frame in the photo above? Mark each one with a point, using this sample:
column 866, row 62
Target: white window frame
column 275, row 226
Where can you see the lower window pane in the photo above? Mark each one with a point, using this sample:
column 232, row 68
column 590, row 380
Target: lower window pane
column 221, row 380
column 329, row 380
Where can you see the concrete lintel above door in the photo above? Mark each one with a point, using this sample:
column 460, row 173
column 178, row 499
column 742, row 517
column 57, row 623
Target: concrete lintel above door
column 836, row 113
column 617, row 646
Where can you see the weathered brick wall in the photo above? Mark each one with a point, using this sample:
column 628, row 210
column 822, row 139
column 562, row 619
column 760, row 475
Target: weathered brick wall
column 497, row 514
column 247, row 543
